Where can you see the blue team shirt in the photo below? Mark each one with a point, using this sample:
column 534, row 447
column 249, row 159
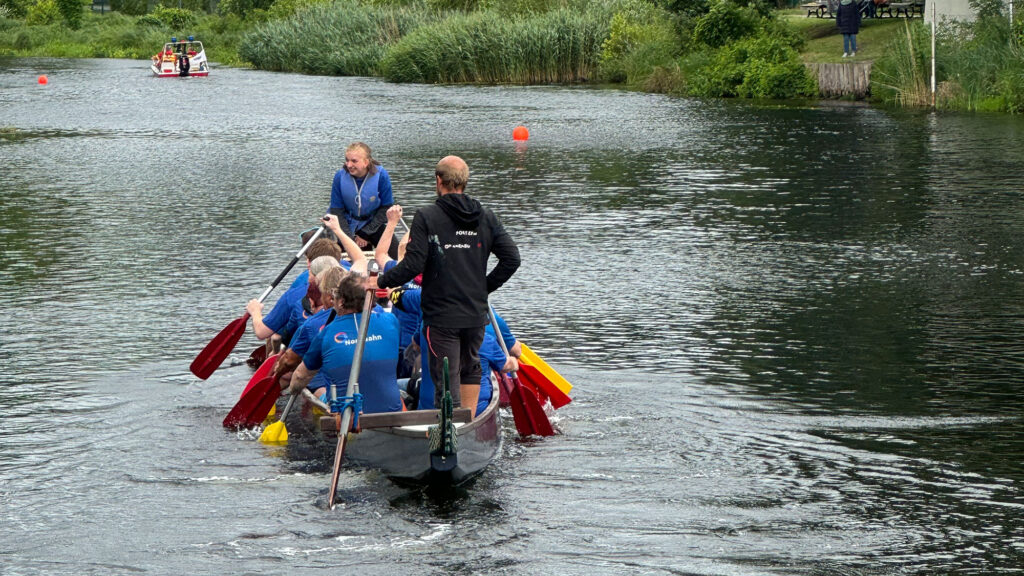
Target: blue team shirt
column 409, row 321
column 491, row 358
column 506, row 333
column 334, row 348
column 278, row 318
column 302, row 340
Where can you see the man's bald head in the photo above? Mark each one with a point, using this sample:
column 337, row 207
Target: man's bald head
column 452, row 174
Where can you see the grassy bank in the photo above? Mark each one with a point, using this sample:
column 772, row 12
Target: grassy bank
column 117, row 35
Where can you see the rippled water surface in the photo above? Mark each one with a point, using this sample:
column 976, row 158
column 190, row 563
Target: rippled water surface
column 796, row 334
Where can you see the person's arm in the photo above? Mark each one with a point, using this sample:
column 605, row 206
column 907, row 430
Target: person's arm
column 311, row 363
column 286, row 362
column 255, row 310
column 380, row 253
column 301, row 378
column 414, row 261
column 355, row 253
column 505, row 249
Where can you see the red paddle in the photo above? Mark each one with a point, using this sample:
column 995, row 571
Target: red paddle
column 262, row 372
column 222, row 344
column 534, row 377
column 252, row 408
column 257, row 356
column 527, row 412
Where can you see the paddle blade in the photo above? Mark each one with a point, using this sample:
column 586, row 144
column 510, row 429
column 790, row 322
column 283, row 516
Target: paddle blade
column 531, row 358
column 257, row 356
column 540, row 382
column 262, row 372
column 218, row 349
column 504, row 385
column 519, row 415
column 254, row 405
column 276, row 433
column 531, row 418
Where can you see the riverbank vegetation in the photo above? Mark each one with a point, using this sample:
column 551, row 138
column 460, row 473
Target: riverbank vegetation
column 704, row 48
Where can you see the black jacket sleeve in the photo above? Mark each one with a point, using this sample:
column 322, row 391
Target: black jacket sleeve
column 507, row 253
column 415, row 256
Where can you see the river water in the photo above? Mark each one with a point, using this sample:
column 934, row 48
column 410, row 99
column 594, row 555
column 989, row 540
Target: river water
column 796, row 333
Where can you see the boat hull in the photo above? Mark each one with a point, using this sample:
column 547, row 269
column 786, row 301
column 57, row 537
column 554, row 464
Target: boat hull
column 173, row 74
column 403, row 452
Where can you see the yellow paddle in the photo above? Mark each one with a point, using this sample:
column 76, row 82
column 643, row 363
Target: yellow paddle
column 532, row 359
column 276, row 433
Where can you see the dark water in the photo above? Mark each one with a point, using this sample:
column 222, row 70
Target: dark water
column 796, row 333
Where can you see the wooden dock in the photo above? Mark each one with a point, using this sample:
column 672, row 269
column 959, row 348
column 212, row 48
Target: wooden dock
column 839, row 79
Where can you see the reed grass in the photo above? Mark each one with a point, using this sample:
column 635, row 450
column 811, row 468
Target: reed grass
column 901, row 75
column 343, row 38
column 979, row 67
column 560, row 46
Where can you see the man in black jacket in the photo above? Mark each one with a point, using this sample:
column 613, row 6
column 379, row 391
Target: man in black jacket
column 450, row 242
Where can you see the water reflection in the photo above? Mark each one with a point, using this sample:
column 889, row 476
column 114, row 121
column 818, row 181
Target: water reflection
column 794, row 331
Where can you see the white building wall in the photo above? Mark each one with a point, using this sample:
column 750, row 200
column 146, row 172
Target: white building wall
column 948, row 10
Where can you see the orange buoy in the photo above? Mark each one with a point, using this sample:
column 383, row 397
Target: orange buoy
column 43, row 79
column 520, row 133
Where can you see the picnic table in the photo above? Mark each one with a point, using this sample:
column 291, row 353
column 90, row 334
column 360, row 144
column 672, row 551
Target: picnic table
column 905, row 9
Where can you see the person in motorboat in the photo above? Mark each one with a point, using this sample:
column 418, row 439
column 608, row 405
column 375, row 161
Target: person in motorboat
column 361, row 195
column 450, row 243
column 333, row 349
column 184, row 65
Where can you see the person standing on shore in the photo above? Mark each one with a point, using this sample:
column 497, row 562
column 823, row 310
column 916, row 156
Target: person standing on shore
column 450, row 243
column 848, row 21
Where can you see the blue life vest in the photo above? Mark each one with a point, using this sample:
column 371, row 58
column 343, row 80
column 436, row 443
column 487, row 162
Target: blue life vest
column 359, row 202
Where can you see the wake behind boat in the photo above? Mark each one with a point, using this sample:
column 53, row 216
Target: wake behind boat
column 180, row 58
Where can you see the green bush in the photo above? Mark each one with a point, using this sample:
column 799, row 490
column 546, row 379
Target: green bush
column 71, row 11
column 640, row 38
column 692, row 8
column 16, row 8
column 130, row 7
column 177, row 19
column 23, row 41
column 724, row 23
column 243, row 8
column 42, row 13
column 764, row 66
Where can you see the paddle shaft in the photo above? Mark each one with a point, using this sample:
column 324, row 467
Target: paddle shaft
column 353, row 389
column 211, row 357
column 287, row 407
column 497, row 332
column 290, row 265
